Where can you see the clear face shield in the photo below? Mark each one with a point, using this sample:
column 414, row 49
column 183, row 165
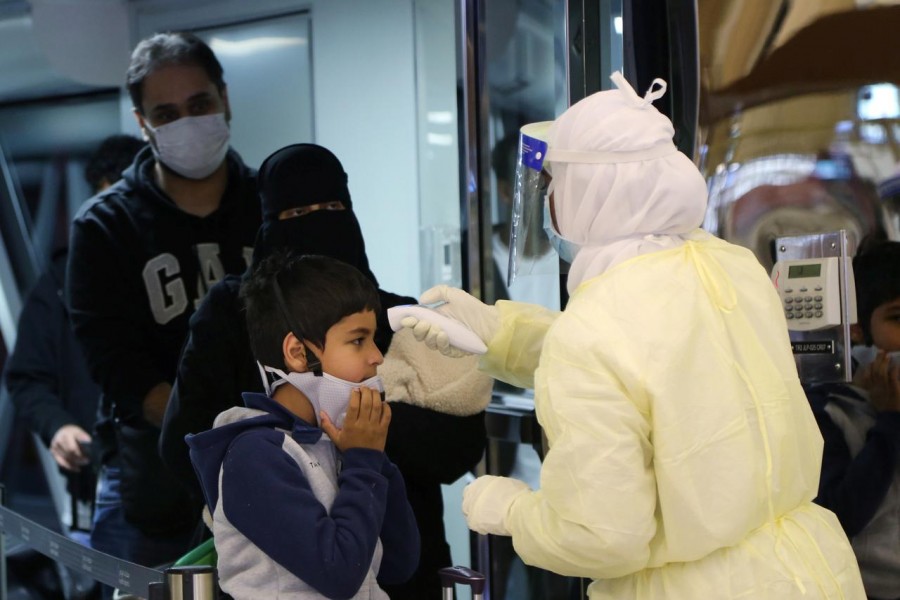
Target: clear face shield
column 527, row 241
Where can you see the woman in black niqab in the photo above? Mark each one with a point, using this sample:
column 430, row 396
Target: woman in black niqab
column 306, row 208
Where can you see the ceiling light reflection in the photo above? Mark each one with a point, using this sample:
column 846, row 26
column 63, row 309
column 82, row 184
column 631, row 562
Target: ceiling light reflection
column 253, row 45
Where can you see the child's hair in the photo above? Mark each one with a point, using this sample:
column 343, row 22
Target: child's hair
column 876, row 271
column 318, row 292
column 114, row 154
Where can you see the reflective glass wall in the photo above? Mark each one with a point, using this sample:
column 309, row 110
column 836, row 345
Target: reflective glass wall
column 798, row 119
column 535, row 58
column 524, row 66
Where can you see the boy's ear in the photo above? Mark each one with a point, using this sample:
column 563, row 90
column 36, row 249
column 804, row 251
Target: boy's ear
column 294, row 353
column 856, row 334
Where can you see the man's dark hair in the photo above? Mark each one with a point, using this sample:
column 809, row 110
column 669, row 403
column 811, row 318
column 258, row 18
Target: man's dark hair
column 166, row 49
column 318, row 292
column 114, row 154
column 876, row 272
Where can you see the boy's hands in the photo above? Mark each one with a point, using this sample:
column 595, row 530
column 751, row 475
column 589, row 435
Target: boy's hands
column 882, row 381
column 366, row 423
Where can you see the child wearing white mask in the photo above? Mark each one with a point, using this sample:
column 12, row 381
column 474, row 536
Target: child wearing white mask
column 304, row 501
column 860, row 424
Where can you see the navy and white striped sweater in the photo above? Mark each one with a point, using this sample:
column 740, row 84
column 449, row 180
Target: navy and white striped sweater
column 292, row 517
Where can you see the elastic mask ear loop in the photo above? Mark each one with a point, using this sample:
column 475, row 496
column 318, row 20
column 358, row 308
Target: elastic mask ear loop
column 265, row 378
column 312, row 362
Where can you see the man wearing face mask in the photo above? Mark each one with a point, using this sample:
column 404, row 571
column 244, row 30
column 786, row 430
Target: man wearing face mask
column 143, row 254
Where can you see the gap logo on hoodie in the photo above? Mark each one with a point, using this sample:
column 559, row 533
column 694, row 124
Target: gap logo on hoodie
column 166, row 287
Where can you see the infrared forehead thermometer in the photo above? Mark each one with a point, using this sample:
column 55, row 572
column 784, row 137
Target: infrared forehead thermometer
column 460, row 336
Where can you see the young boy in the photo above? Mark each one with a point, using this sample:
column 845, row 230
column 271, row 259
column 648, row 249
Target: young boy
column 304, row 502
column 860, row 423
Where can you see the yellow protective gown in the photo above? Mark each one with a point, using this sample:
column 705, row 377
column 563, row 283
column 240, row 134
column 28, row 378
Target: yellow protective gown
column 683, row 455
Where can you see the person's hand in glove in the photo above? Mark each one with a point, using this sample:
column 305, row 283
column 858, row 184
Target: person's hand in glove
column 486, row 502
column 482, row 319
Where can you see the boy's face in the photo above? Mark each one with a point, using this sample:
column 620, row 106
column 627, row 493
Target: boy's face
column 350, row 352
column 885, row 326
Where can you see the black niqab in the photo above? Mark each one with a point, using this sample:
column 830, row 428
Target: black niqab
column 301, row 175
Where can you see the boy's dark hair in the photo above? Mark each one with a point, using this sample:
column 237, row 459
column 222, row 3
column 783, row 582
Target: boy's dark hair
column 114, row 154
column 165, row 49
column 876, row 272
column 318, row 292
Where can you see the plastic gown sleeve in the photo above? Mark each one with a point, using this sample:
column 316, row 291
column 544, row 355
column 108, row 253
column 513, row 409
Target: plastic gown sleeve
column 594, row 515
column 515, row 350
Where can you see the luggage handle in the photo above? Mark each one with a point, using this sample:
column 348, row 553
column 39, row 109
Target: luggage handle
column 450, row 576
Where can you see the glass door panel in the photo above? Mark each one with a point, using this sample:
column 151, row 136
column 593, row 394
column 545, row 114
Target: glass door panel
column 536, row 58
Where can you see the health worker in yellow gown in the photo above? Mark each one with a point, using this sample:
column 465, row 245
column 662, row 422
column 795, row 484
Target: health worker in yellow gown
column 682, row 455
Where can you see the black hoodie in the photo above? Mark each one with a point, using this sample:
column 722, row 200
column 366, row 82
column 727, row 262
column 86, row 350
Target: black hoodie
column 138, row 268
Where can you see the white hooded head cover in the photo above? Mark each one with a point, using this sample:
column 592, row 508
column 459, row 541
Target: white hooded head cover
column 638, row 194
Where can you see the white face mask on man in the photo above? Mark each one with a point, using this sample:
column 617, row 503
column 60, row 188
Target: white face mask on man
column 326, row 392
column 193, row 147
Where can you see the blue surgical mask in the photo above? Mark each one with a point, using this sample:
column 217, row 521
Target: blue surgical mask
column 566, row 249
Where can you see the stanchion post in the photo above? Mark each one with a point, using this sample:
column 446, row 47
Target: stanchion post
column 192, row 582
column 158, row 591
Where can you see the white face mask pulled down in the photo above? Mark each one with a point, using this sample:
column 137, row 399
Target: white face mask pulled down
column 325, row 392
column 193, row 147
